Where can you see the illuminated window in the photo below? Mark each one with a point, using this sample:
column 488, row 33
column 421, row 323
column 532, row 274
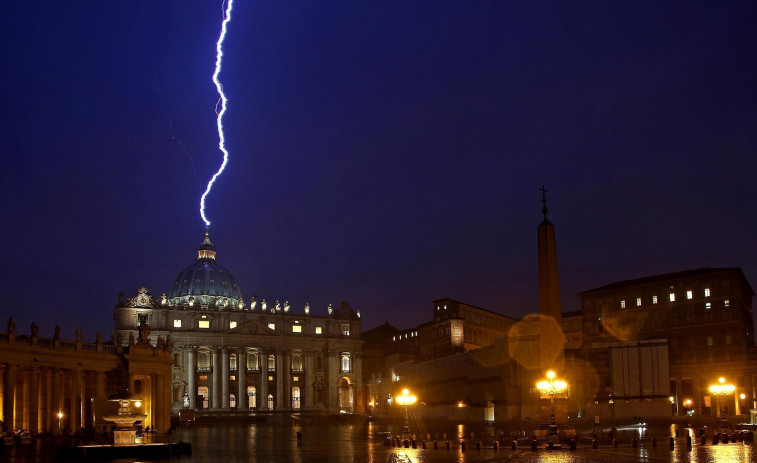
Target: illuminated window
column 203, row 323
column 270, row 401
column 251, row 397
column 689, row 294
column 707, row 305
column 232, row 325
column 272, row 326
column 203, row 361
column 232, row 377
column 232, row 401
column 394, row 338
column 346, row 329
column 654, row 299
column 296, row 328
column 345, row 363
column 672, row 297
column 709, row 341
column 728, row 339
column 296, row 398
column 295, row 378
column 177, row 323
column 270, row 378
column 726, row 303
column 706, row 292
column 233, row 362
column 623, row 304
column 638, row 302
column 296, row 362
column 318, row 330
column 252, row 361
column 271, row 363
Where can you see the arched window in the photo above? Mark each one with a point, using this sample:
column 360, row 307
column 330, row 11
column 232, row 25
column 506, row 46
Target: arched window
column 232, row 401
column 203, row 361
column 271, row 363
column 345, row 362
column 296, row 362
column 233, row 362
column 252, row 361
column 270, row 401
column 252, row 402
column 296, row 398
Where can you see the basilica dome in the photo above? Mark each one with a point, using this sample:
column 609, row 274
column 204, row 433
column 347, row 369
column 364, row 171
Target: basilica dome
column 205, row 284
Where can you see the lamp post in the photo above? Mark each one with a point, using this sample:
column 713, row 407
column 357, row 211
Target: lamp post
column 551, row 388
column 720, row 391
column 406, row 399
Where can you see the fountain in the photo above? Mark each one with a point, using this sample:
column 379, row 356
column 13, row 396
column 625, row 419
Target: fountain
column 125, row 433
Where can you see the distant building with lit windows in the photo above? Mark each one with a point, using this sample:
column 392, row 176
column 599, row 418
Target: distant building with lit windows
column 704, row 316
column 246, row 359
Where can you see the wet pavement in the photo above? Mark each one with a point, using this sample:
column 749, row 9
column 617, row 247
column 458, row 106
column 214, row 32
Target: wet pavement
column 365, row 443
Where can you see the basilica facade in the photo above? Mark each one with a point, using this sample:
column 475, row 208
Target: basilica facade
column 246, row 359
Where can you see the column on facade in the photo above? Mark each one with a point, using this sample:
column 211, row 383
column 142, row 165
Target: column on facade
column 21, row 407
column 263, row 392
column 88, row 392
column 242, row 400
column 287, row 374
column 332, row 384
column 357, row 380
column 216, row 392
column 56, row 405
column 279, row 379
column 308, row 391
column 76, row 400
column 34, row 408
column 224, row 378
column 44, row 400
column 191, row 366
column 677, row 396
column 9, row 393
column 158, row 401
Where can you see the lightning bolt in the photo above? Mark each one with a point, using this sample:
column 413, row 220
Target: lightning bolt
column 226, row 8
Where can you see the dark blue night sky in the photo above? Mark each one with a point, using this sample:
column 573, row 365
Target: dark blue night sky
column 386, row 153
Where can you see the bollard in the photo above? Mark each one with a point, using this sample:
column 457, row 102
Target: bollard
column 704, row 440
column 414, row 444
column 514, row 445
column 595, row 444
column 725, row 437
column 423, row 444
column 550, row 445
column 654, row 442
column 479, row 445
column 672, row 442
column 533, row 445
column 436, row 444
column 634, row 443
column 495, row 445
column 462, row 445
column 688, row 442
column 448, row 446
column 615, row 443
column 572, row 444
column 715, row 438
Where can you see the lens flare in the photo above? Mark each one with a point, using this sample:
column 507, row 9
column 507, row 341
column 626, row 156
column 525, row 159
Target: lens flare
column 222, row 103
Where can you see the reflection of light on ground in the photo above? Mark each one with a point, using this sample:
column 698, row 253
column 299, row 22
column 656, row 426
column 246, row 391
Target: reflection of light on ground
column 460, row 431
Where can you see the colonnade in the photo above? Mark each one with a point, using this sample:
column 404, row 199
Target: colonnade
column 745, row 384
column 283, row 377
column 33, row 397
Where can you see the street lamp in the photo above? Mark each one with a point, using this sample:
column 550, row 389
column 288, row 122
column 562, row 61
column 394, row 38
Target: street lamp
column 720, row 391
column 406, row 399
column 60, row 417
column 551, row 388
